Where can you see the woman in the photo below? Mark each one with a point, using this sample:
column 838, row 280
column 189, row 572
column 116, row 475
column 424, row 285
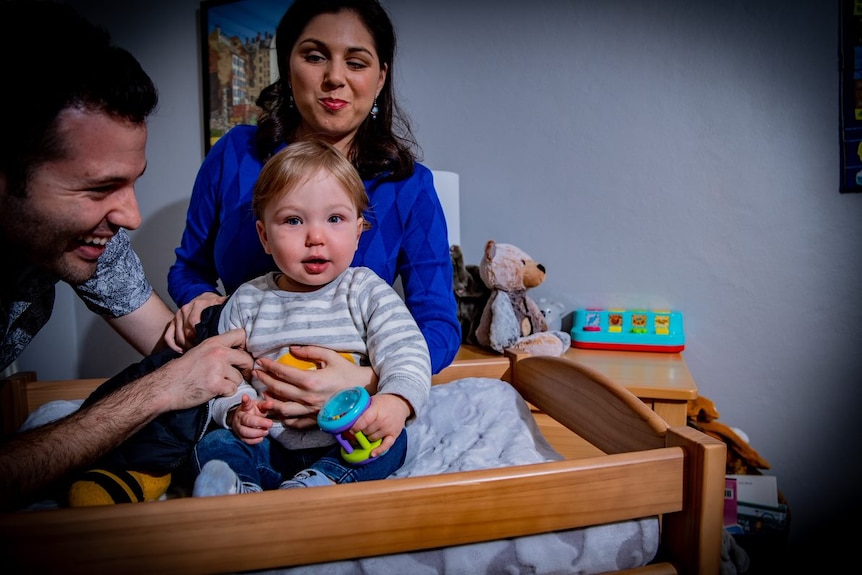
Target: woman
column 335, row 61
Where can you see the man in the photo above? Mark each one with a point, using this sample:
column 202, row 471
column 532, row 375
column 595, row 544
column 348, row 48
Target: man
column 72, row 144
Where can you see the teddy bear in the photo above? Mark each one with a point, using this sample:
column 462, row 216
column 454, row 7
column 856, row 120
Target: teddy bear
column 511, row 319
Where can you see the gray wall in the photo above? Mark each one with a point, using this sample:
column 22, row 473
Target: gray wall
column 650, row 153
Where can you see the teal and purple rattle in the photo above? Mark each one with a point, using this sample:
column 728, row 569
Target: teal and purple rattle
column 339, row 414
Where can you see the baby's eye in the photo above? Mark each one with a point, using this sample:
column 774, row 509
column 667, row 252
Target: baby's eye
column 335, row 219
column 292, row 221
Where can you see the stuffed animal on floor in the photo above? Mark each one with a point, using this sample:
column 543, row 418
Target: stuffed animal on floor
column 471, row 293
column 511, row 319
column 742, row 459
column 107, row 487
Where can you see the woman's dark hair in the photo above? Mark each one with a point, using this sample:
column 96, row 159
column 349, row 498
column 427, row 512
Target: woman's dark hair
column 384, row 145
column 54, row 59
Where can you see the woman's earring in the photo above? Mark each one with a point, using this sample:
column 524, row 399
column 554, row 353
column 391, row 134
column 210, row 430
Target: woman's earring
column 291, row 100
column 374, row 110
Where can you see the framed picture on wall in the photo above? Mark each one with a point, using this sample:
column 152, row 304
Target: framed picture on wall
column 238, row 60
column 850, row 81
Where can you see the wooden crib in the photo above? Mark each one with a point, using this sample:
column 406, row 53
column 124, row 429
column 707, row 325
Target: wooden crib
column 634, row 465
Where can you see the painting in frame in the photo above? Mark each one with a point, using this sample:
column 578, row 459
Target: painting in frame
column 850, row 81
column 238, row 60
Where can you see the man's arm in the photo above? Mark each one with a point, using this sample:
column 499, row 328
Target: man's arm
column 36, row 459
column 145, row 327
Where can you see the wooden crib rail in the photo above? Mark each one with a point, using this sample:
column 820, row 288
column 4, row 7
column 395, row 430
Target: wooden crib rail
column 675, row 472
column 604, row 413
column 280, row 528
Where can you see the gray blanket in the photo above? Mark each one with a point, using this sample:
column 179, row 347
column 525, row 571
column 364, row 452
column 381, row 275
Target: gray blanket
column 478, row 423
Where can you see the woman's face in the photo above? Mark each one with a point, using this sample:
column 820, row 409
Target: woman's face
column 335, row 76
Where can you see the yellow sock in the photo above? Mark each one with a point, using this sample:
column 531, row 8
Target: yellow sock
column 107, row 487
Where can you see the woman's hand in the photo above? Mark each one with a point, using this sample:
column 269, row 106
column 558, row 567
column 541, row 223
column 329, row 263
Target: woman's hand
column 298, row 394
column 180, row 334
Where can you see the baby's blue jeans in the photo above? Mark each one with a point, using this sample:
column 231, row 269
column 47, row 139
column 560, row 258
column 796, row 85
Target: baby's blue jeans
column 268, row 463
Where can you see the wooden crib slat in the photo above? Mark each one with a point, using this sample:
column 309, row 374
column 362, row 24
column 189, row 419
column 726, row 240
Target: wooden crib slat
column 13, row 401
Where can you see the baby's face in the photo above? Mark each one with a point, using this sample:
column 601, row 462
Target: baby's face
column 312, row 232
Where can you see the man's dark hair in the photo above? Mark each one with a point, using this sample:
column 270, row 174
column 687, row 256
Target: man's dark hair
column 54, row 59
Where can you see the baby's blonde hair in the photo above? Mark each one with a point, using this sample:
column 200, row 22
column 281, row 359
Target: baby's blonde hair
column 293, row 165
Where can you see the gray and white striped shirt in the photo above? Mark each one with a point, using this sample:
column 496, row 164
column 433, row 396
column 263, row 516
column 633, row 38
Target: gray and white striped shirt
column 357, row 313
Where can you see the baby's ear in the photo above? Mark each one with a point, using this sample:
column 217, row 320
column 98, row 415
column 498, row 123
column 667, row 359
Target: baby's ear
column 261, row 233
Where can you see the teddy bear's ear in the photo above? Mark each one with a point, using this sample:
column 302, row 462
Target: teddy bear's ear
column 490, row 248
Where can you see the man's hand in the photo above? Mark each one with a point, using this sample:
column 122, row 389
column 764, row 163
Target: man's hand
column 213, row 368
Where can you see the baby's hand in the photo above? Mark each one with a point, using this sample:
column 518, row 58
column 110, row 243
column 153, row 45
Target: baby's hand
column 249, row 421
column 384, row 419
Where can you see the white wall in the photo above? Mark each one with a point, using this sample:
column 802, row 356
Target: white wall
column 668, row 153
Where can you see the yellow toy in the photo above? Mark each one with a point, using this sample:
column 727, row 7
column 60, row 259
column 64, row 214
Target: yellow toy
column 108, row 487
column 288, row 359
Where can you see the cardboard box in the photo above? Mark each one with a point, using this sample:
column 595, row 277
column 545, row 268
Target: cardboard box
column 730, row 502
column 757, row 506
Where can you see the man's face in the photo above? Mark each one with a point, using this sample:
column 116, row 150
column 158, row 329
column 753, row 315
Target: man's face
column 75, row 204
